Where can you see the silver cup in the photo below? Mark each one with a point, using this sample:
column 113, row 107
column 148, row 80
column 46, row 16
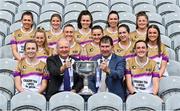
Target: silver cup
column 86, row 68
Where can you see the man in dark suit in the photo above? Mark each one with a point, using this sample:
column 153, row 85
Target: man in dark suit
column 111, row 70
column 62, row 75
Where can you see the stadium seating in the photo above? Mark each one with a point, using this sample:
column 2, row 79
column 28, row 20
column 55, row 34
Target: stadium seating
column 166, row 40
column 172, row 54
column 74, row 7
column 67, row 101
column 162, row 2
column 139, row 2
column 122, row 8
column 105, row 101
column 172, row 103
column 145, row 7
column 127, row 18
column 3, row 102
column 6, row 17
column 143, row 102
column 98, row 7
column 6, row 52
column 168, row 86
column 59, row 2
column 36, row 2
column 127, row 2
column 26, row 101
column 52, row 7
column 173, row 68
column 83, row 2
column 15, row 26
column 29, row 7
column 7, row 65
column 7, row 86
column 14, row 2
column 9, row 8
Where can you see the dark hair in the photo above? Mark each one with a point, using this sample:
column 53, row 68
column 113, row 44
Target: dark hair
column 125, row 26
column 84, row 12
column 112, row 12
column 106, row 39
column 97, row 27
column 141, row 13
column 56, row 15
column 27, row 13
column 140, row 41
column 68, row 25
column 158, row 39
column 30, row 41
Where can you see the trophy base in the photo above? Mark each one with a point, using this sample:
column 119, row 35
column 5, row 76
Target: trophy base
column 86, row 93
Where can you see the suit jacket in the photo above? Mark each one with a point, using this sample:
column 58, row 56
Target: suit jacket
column 56, row 77
column 114, row 80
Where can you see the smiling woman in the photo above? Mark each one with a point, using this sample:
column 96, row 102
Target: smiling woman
column 142, row 74
column 31, row 73
column 20, row 36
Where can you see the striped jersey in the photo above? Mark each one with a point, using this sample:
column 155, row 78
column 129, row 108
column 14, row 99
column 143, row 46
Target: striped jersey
column 31, row 75
column 142, row 75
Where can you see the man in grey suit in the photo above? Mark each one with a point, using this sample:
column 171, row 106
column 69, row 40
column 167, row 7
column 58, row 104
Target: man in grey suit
column 111, row 70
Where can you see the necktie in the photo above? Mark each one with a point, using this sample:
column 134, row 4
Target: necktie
column 66, row 80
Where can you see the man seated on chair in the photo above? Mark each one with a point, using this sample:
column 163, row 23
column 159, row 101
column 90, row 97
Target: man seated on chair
column 111, row 70
column 62, row 75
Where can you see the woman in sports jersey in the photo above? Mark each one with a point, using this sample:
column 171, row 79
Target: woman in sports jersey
column 92, row 49
column 112, row 26
column 84, row 22
column 31, row 73
column 55, row 33
column 20, row 36
column 43, row 50
column 125, row 46
column 142, row 23
column 142, row 73
column 156, row 50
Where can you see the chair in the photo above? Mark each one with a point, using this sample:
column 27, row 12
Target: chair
column 169, row 85
column 26, row 101
column 7, row 86
column 74, row 7
column 9, row 7
column 3, row 29
column 138, row 2
column 172, row 54
column 132, row 27
column 29, row 7
column 46, row 16
column 162, row 2
column 69, row 102
column 17, row 17
column 99, row 17
column 144, row 7
column 127, row 18
column 173, row 30
column 166, row 41
column 173, row 68
column 3, row 102
column 15, row 26
column 45, row 25
column 127, row 2
column 171, row 18
column 83, row 2
column 7, row 65
column 105, row 2
column 6, row 52
column 71, row 17
column 7, row 42
column 102, row 24
column 176, row 42
column 6, row 17
column 98, row 7
column 59, row 2
column 168, row 8
column 122, row 8
column 36, row 2
column 52, row 7
column 155, row 18
column 178, row 55
column 14, row 2
column 172, row 103
column 1, row 40
column 105, row 101
column 143, row 102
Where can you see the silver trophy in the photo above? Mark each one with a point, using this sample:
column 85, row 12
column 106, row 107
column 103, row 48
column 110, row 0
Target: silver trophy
column 86, row 68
